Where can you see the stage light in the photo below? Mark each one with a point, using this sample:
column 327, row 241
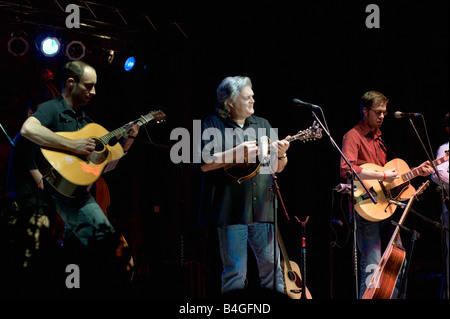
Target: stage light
column 129, row 63
column 75, row 50
column 50, row 46
column 18, row 46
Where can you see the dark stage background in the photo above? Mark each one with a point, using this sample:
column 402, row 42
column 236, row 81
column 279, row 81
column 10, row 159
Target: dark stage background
column 317, row 51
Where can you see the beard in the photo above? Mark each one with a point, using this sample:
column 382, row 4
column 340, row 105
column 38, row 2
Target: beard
column 80, row 100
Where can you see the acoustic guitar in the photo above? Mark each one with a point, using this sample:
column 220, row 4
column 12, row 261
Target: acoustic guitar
column 68, row 172
column 399, row 190
column 384, row 278
column 244, row 171
column 291, row 274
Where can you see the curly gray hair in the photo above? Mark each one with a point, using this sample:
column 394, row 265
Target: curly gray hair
column 229, row 89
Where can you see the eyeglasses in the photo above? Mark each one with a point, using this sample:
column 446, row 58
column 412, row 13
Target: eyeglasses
column 378, row 113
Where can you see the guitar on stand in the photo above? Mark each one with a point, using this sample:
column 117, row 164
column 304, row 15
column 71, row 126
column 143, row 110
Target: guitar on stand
column 292, row 276
column 384, row 278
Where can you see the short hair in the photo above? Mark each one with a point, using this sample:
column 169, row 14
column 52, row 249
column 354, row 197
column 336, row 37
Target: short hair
column 369, row 98
column 229, row 89
column 73, row 69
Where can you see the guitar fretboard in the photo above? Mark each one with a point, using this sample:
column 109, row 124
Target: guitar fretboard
column 116, row 133
column 121, row 130
column 418, row 170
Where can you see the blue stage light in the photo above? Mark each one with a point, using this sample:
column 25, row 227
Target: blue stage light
column 50, row 46
column 129, row 63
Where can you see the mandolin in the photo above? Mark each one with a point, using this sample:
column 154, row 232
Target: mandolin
column 244, row 171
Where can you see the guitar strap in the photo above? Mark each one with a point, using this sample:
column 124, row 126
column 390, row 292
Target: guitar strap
column 385, row 147
column 88, row 118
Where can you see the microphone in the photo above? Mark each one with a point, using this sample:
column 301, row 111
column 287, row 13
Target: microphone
column 337, row 221
column 264, row 150
column 402, row 205
column 399, row 115
column 344, row 188
column 301, row 103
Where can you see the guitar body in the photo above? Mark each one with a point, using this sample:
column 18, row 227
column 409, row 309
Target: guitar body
column 385, row 277
column 67, row 171
column 399, row 190
column 293, row 281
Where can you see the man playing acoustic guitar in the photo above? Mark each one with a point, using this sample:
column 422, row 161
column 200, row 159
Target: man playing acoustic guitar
column 361, row 145
column 85, row 221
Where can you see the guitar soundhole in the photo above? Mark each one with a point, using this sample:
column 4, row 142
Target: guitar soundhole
column 100, row 153
column 99, row 146
column 291, row 276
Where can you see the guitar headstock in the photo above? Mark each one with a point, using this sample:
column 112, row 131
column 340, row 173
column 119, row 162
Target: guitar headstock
column 311, row 133
column 422, row 188
column 158, row 116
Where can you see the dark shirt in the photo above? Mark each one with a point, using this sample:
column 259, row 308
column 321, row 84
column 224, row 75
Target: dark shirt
column 224, row 200
column 58, row 117
column 360, row 145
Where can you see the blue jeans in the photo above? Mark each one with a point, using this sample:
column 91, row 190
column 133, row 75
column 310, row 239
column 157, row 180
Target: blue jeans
column 233, row 250
column 83, row 217
column 368, row 238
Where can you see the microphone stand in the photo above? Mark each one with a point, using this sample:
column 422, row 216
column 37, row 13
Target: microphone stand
column 275, row 190
column 303, row 256
column 277, row 195
column 353, row 175
column 7, row 136
column 443, row 191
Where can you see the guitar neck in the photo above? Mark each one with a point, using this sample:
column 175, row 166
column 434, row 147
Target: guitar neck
column 406, row 211
column 116, row 133
column 283, row 251
column 418, row 170
column 122, row 130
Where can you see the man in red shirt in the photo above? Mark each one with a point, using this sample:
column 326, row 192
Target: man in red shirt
column 363, row 144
